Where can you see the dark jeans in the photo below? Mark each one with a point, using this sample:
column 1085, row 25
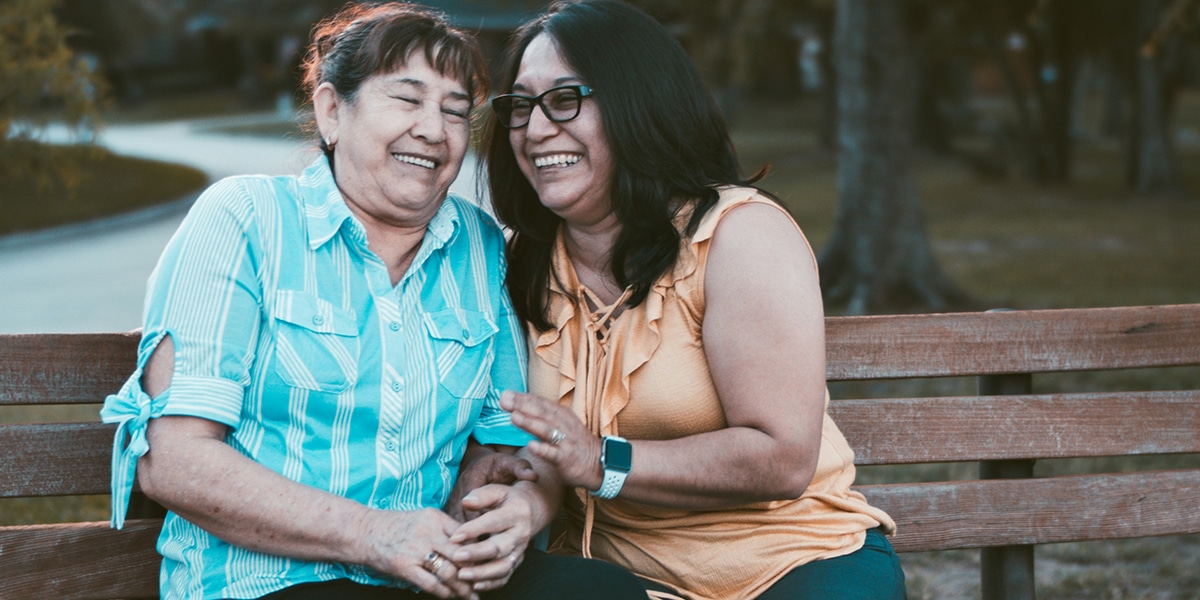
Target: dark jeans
column 870, row 573
column 540, row 577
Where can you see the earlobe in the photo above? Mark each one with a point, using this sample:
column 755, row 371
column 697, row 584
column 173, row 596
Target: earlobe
column 325, row 110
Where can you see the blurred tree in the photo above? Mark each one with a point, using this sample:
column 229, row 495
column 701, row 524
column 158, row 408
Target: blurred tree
column 1150, row 158
column 1038, row 46
column 878, row 257
column 730, row 40
column 41, row 82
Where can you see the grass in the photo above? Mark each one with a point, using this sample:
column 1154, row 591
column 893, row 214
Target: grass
column 108, row 184
column 1010, row 243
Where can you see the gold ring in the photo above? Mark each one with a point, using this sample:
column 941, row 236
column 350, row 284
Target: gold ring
column 434, row 562
column 556, row 437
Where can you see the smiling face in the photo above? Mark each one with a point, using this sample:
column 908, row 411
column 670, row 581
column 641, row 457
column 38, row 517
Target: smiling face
column 568, row 164
column 398, row 143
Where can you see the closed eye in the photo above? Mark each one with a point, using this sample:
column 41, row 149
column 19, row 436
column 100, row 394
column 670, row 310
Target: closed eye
column 457, row 113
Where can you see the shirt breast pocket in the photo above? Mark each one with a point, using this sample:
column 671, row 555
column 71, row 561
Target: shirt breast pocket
column 463, row 350
column 316, row 345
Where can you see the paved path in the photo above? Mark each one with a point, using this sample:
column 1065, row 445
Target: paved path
column 92, row 277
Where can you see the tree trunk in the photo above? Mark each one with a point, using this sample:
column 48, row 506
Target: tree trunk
column 1152, row 167
column 878, row 257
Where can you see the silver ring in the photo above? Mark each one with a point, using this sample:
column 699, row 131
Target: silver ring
column 556, row 437
column 434, row 562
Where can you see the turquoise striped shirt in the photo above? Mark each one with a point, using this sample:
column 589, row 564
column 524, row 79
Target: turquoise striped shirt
column 288, row 330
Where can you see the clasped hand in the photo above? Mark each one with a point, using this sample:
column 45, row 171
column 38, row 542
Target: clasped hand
column 449, row 558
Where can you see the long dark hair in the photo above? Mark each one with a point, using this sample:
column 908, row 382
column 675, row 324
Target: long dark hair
column 666, row 134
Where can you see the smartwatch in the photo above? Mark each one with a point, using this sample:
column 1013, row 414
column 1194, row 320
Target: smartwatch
column 616, row 458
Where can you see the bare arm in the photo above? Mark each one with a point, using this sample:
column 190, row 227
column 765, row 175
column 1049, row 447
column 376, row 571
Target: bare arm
column 764, row 340
column 194, row 473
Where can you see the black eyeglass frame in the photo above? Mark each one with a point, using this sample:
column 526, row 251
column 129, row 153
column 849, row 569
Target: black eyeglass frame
column 582, row 91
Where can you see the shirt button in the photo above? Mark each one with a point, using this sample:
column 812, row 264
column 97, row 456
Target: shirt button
column 394, row 326
column 466, row 334
column 318, row 320
column 396, row 386
column 389, row 445
column 381, row 503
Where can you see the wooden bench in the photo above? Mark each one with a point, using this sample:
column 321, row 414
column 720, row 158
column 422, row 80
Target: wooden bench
column 1005, row 427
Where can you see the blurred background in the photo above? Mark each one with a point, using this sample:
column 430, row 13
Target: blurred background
column 939, row 155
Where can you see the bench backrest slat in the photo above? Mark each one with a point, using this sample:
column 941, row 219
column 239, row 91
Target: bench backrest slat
column 1032, row 341
column 64, row 368
column 998, row 512
column 919, row 430
column 55, row 459
column 80, row 561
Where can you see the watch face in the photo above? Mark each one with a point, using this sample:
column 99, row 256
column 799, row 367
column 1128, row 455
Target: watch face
column 618, row 455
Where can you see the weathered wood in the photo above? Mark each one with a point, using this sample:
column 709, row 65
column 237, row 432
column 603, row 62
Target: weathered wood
column 1030, row 341
column 1006, row 572
column 1004, row 512
column 55, row 459
column 67, row 368
column 918, row 430
column 80, row 561
column 91, row 561
column 58, row 459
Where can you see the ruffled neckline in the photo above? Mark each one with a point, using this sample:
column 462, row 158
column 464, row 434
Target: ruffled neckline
column 568, row 298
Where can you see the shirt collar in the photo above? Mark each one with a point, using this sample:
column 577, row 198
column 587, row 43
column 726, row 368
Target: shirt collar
column 324, row 208
column 326, row 212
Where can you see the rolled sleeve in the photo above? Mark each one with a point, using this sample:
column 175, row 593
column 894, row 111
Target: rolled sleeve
column 204, row 295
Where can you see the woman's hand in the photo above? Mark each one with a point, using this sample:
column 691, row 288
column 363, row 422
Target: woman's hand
column 482, row 465
column 562, row 439
column 415, row 546
column 494, row 543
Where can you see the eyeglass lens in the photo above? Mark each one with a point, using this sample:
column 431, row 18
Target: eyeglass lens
column 558, row 104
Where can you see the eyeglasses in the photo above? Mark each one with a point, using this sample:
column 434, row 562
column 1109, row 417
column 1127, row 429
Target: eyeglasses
column 560, row 104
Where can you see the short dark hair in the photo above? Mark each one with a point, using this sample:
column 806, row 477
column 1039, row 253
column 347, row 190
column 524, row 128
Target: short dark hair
column 362, row 40
column 667, row 137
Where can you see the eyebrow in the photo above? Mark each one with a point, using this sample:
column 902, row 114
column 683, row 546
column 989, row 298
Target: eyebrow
column 557, row 82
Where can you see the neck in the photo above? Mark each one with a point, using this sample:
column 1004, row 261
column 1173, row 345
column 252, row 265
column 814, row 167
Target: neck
column 590, row 245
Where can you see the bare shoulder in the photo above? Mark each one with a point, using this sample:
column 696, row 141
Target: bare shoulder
column 758, row 235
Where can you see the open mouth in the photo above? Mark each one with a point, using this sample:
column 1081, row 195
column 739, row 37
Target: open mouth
column 556, row 160
column 415, row 160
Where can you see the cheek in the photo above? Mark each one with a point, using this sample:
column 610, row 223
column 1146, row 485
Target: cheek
column 516, row 140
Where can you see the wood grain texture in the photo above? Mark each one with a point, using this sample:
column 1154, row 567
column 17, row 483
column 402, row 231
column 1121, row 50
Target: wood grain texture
column 55, row 459
column 67, row 368
column 1030, row 341
column 920, row 430
column 1001, row 512
column 80, row 561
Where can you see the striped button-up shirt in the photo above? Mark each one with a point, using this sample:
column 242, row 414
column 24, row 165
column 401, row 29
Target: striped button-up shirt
column 288, row 330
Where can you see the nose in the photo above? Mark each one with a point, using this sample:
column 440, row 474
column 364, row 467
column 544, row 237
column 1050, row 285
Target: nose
column 431, row 124
column 540, row 126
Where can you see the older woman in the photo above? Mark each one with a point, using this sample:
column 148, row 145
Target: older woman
column 317, row 350
column 677, row 372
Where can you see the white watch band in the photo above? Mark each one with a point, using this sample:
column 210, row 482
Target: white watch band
column 613, row 480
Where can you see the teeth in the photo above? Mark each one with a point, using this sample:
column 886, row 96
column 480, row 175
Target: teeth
column 557, row 160
column 413, row 160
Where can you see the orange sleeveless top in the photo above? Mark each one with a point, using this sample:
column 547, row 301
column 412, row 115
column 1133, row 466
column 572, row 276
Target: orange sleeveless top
column 647, row 377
